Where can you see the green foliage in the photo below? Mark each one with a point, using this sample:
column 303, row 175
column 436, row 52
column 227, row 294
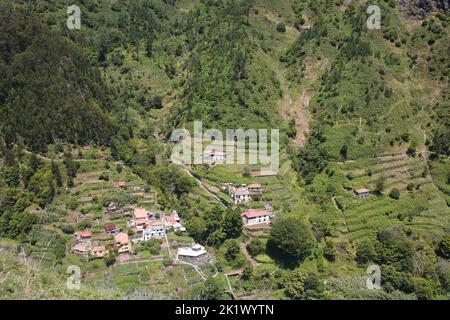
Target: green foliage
column 211, row 290
column 110, row 258
column 281, row 27
column 330, row 250
column 73, row 203
column 292, row 237
column 71, row 108
column 443, row 249
column 232, row 224
column 295, row 286
column 232, row 249
column 256, row 247
column 394, row 194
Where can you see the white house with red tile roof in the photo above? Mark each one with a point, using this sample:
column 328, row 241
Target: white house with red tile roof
column 155, row 229
column 252, row 216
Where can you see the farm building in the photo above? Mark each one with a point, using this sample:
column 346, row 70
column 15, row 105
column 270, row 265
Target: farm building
column 121, row 185
column 254, row 188
column 110, row 228
column 264, row 173
column 362, row 193
column 251, row 217
column 112, row 209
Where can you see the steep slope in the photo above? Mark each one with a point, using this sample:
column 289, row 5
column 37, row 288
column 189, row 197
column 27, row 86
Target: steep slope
column 49, row 89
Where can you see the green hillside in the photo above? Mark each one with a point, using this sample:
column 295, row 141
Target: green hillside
column 356, row 108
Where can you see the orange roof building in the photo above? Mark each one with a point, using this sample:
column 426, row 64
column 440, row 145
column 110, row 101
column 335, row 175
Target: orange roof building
column 99, row 251
column 122, row 242
column 83, row 235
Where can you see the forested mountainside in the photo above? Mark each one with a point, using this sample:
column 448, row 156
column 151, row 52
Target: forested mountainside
column 356, row 108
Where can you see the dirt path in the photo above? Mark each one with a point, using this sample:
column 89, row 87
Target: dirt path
column 200, row 184
column 243, row 246
column 340, row 211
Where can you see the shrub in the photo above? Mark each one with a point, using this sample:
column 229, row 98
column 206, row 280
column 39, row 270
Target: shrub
column 394, row 194
column 255, row 247
column 281, row 27
column 443, row 249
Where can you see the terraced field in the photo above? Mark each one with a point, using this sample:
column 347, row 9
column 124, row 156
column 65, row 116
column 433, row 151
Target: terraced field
column 422, row 208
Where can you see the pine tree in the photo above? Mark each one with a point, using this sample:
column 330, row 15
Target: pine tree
column 56, row 174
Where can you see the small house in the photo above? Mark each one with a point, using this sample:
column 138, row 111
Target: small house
column 362, row 193
column 254, row 188
column 122, row 242
column 80, row 249
column 99, row 251
column 264, row 173
column 110, row 228
column 121, row 185
column 252, row 216
column 111, row 209
column 84, row 235
column 173, row 222
column 140, row 219
column 240, row 194
column 155, row 229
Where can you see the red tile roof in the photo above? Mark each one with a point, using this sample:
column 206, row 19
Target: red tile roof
column 140, row 213
column 109, row 227
column 80, row 248
column 255, row 213
column 85, row 234
column 362, row 190
column 155, row 223
column 121, row 238
column 98, row 249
